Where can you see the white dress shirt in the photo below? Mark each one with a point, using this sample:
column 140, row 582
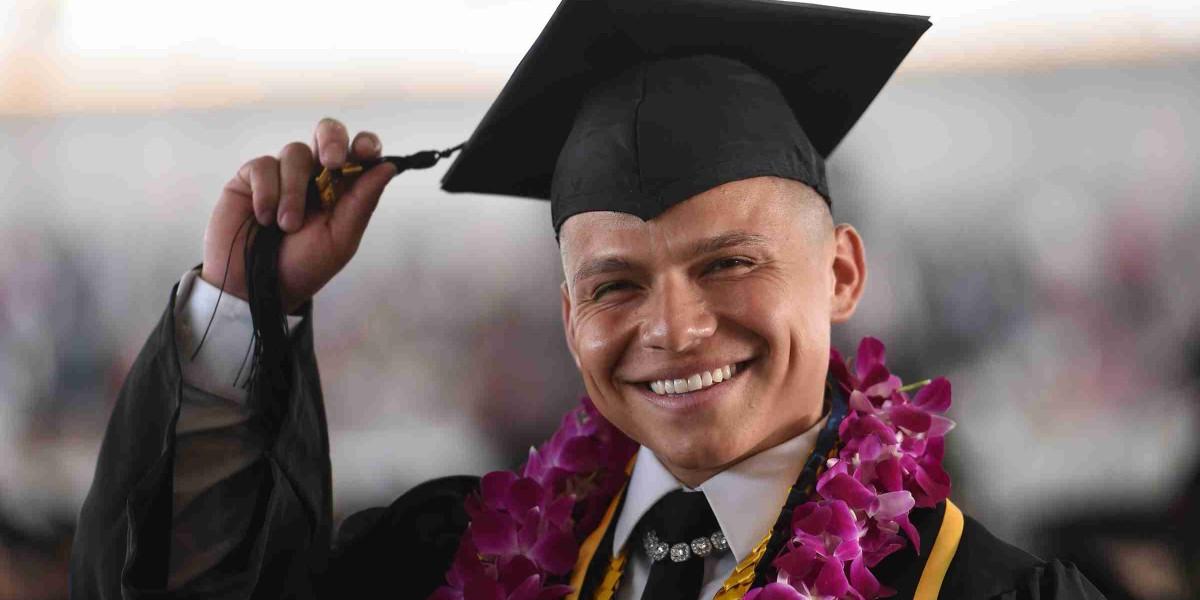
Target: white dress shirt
column 746, row 499
column 222, row 365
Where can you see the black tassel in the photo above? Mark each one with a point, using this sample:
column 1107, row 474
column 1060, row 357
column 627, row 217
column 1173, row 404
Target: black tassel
column 270, row 376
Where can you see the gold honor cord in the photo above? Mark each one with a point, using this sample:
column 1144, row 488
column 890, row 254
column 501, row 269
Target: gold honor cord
column 942, row 553
column 612, row 577
column 740, row 580
column 588, row 549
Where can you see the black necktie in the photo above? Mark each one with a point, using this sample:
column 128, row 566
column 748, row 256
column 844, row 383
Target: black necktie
column 678, row 518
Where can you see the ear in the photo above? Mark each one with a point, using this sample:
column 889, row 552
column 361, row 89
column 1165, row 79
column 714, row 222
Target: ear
column 568, row 324
column 849, row 273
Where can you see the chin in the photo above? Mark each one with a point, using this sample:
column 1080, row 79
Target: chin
column 695, row 455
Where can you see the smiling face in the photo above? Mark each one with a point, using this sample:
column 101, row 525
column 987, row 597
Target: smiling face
column 743, row 280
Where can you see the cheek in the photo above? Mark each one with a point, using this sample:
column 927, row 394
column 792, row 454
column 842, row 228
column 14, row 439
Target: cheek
column 805, row 322
column 760, row 308
column 600, row 338
column 789, row 319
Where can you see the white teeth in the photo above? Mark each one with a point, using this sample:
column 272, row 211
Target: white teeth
column 693, row 383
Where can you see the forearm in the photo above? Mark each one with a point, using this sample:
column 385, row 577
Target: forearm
column 183, row 479
column 216, row 490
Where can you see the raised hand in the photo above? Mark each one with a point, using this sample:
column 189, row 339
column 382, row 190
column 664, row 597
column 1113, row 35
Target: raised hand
column 317, row 243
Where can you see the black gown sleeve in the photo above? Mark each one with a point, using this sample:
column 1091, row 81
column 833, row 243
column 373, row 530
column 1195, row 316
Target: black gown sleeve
column 987, row 568
column 123, row 538
column 1054, row 579
column 404, row 550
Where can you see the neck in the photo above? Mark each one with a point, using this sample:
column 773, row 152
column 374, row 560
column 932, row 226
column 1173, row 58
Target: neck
column 693, row 477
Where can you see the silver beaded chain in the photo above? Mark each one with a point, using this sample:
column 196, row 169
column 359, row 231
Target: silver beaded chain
column 700, row 547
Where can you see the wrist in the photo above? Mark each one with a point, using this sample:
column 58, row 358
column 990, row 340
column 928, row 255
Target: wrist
column 230, row 286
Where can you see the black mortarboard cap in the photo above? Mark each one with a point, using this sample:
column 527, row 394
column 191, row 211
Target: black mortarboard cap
column 636, row 105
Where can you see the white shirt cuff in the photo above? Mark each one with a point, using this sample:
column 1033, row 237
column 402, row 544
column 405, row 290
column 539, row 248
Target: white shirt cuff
column 222, row 365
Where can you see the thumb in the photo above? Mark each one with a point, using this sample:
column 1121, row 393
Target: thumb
column 354, row 209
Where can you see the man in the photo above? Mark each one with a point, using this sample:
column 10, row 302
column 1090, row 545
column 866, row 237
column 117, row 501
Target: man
column 681, row 144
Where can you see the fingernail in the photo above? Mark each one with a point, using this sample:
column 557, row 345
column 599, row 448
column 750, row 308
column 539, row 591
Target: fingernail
column 333, row 153
column 289, row 222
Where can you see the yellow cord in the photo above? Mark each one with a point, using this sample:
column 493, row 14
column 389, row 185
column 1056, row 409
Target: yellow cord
column 942, row 553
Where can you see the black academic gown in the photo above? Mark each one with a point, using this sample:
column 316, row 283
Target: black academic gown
column 402, row 551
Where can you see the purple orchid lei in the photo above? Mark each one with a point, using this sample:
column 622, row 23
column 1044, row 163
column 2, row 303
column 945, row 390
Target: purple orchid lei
column 526, row 529
column 889, row 462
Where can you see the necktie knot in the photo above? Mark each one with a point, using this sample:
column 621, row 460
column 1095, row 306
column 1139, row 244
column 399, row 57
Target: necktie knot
column 682, row 526
column 681, row 516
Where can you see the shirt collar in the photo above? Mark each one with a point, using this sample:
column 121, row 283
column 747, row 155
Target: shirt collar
column 746, row 498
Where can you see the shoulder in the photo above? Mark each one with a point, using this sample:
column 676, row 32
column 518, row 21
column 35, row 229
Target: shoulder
column 959, row 558
column 986, row 567
column 433, row 509
column 406, row 545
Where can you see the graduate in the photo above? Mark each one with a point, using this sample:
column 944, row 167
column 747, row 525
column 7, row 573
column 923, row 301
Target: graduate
column 725, row 450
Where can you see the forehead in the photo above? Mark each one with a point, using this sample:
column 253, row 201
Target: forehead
column 765, row 207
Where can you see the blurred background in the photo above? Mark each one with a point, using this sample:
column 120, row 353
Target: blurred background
column 1026, row 185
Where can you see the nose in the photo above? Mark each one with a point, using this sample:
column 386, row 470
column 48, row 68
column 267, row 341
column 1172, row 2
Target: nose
column 678, row 318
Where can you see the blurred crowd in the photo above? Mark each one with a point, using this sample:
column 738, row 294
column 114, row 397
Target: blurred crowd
column 1031, row 234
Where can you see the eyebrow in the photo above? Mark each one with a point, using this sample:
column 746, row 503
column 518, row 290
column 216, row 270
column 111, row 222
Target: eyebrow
column 600, row 267
column 725, row 240
column 706, row 246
